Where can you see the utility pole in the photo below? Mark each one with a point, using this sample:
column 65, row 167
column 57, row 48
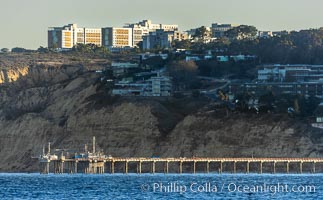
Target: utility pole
column 48, row 148
column 93, row 145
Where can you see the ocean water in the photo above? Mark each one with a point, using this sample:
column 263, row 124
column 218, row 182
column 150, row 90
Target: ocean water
column 160, row 186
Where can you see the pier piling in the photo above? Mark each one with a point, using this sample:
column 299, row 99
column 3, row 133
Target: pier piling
column 96, row 165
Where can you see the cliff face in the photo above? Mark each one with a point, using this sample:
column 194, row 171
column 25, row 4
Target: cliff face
column 11, row 75
column 67, row 106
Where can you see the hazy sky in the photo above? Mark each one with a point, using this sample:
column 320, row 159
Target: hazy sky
column 24, row 23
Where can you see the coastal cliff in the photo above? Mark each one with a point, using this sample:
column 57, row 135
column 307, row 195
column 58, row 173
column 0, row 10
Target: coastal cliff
column 64, row 103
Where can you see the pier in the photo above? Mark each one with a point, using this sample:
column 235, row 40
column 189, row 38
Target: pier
column 98, row 163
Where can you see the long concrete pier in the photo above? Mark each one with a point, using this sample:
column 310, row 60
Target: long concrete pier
column 96, row 162
column 210, row 165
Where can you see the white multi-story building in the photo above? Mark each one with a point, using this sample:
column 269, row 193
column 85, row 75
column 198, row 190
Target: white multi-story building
column 141, row 29
column 121, row 68
column 158, row 86
column 92, row 36
column 137, row 34
column 153, row 27
column 291, row 73
column 117, row 37
column 68, row 36
column 271, row 74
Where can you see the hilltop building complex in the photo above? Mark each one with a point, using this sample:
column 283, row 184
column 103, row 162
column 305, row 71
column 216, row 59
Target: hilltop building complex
column 68, row 36
column 131, row 35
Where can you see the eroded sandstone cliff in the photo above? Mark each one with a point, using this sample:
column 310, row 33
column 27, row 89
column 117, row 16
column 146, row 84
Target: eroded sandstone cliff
column 67, row 105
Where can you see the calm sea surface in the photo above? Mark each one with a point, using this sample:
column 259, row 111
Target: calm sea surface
column 160, row 186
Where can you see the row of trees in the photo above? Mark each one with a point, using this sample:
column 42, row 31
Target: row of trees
column 15, row 50
column 305, row 46
column 88, row 49
column 91, row 49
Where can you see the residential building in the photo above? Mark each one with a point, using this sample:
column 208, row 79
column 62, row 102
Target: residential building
column 271, row 74
column 240, row 57
column 265, row 34
column 146, row 56
column 68, row 36
column 130, row 89
column 222, row 58
column 117, row 37
column 158, row 86
column 218, row 30
column 295, row 79
column 120, row 68
column 280, row 33
column 193, row 58
column 304, row 88
column 318, row 121
column 290, row 73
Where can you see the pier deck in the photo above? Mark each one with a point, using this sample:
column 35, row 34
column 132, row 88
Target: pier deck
column 96, row 162
column 99, row 164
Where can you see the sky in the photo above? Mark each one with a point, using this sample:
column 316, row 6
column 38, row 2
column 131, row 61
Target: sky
column 24, row 23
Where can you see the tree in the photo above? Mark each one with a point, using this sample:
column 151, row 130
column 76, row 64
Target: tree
column 319, row 111
column 84, row 48
column 181, row 44
column 141, row 45
column 202, row 34
column 307, row 106
column 18, row 50
column 267, row 98
column 101, row 51
column 184, row 74
column 220, row 45
column 241, row 101
column 154, row 62
column 5, row 50
column 242, row 32
column 42, row 50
